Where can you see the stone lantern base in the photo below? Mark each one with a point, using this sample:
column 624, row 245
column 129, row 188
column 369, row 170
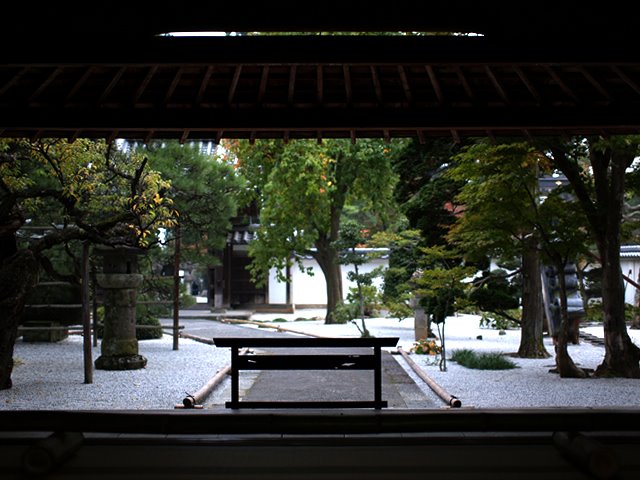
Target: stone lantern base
column 128, row 362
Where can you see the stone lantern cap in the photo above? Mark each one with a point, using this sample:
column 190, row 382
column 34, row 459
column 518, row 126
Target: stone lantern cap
column 120, row 259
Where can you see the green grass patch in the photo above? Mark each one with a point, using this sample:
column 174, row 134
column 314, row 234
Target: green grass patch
column 278, row 320
column 482, row 361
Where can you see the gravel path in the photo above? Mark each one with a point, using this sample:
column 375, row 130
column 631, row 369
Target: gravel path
column 51, row 376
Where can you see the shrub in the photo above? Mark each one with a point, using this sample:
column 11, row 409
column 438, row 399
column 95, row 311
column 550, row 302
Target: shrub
column 426, row 347
column 482, row 361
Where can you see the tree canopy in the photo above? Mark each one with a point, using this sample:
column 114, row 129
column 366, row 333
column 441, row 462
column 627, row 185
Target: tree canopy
column 302, row 188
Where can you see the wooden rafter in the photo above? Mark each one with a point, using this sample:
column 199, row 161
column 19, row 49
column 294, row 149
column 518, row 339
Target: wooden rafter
column 50, row 78
column 14, row 80
column 496, row 83
column 234, row 84
column 563, row 86
column 79, row 84
column 595, row 83
column 435, row 84
column 264, row 79
column 376, row 83
column 173, row 86
column 405, row 84
column 465, row 83
column 626, row 79
column 292, row 84
column 206, row 78
column 319, row 85
column 347, row 84
column 530, row 86
column 116, row 78
column 144, row 84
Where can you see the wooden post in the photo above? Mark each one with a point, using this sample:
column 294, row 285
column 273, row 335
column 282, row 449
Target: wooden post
column 94, row 292
column 86, row 316
column 176, row 288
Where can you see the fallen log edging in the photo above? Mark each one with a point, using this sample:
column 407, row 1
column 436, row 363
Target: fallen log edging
column 196, row 400
column 279, row 328
column 449, row 399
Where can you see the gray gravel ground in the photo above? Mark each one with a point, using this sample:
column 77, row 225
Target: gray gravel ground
column 51, row 376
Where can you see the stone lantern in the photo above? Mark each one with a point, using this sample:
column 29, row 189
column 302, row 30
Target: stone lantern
column 421, row 321
column 120, row 281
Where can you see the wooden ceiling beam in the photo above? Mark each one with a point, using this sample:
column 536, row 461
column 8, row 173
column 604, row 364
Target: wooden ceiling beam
column 320, row 119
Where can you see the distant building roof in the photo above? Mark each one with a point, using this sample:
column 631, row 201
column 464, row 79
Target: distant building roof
column 241, row 236
column 630, row 251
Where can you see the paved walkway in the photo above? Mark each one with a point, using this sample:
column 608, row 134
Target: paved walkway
column 398, row 388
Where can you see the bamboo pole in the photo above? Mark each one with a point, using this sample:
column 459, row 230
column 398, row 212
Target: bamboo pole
column 271, row 325
column 450, row 400
column 193, row 401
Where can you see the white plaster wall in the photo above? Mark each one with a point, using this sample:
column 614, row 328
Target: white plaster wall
column 312, row 290
column 630, row 267
column 277, row 290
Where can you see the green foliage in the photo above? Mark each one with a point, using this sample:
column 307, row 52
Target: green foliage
column 203, row 189
column 425, row 193
column 494, row 292
column 482, row 361
column 500, row 322
column 442, row 282
column 144, row 317
column 302, row 188
column 499, row 198
column 91, row 190
column 345, row 312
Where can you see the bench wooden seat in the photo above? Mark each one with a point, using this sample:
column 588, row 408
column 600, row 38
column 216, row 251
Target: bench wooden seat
column 319, row 360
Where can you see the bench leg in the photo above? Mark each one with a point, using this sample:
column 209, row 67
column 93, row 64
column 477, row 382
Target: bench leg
column 235, row 380
column 377, row 373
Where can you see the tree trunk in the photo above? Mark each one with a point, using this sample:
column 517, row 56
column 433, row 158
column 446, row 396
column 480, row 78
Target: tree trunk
column 18, row 274
column 564, row 363
column 531, row 337
column 604, row 213
column 621, row 355
column 327, row 257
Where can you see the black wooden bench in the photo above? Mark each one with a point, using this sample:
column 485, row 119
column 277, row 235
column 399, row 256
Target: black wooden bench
column 315, row 361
